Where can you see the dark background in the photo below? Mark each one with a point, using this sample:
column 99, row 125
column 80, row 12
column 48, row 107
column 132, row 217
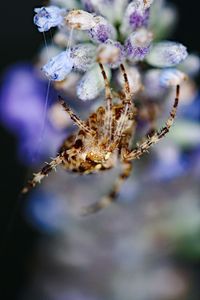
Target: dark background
column 20, row 41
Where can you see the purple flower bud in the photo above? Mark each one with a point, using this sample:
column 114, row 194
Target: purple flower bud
column 136, row 15
column 167, row 54
column 48, row 17
column 102, row 31
column 83, row 56
column 138, row 44
column 58, row 66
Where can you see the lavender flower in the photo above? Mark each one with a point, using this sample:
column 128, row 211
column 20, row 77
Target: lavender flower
column 102, row 31
column 138, row 44
column 97, row 35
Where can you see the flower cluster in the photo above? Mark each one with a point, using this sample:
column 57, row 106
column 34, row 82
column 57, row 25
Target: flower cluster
column 111, row 32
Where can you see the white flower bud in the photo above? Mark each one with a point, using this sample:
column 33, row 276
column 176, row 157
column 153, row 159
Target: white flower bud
column 80, row 19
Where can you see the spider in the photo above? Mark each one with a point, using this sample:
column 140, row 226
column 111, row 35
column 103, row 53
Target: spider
column 103, row 140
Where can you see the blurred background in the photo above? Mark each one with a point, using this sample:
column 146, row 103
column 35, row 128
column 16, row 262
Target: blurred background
column 176, row 265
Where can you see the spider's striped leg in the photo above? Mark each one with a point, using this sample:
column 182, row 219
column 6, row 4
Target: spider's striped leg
column 37, row 177
column 108, row 121
column 126, row 89
column 154, row 138
column 81, row 124
column 112, row 196
column 127, row 105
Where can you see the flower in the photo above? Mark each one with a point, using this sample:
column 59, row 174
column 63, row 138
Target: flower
column 111, row 32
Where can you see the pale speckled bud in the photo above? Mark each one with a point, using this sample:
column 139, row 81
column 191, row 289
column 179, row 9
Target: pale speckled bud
column 167, row 54
column 111, row 53
column 80, row 20
column 138, row 44
column 48, row 17
column 83, row 56
column 58, row 66
column 171, row 77
column 134, row 79
column 102, row 31
column 91, row 84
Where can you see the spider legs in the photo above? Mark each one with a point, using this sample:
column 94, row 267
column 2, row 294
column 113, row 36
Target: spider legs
column 155, row 137
column 81, row 124
column 108, row 93
column 126, row 85
column 111, row 197
column 127, row 105
column 37, row 177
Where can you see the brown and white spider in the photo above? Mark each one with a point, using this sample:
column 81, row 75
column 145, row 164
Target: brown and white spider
column 103, row 140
